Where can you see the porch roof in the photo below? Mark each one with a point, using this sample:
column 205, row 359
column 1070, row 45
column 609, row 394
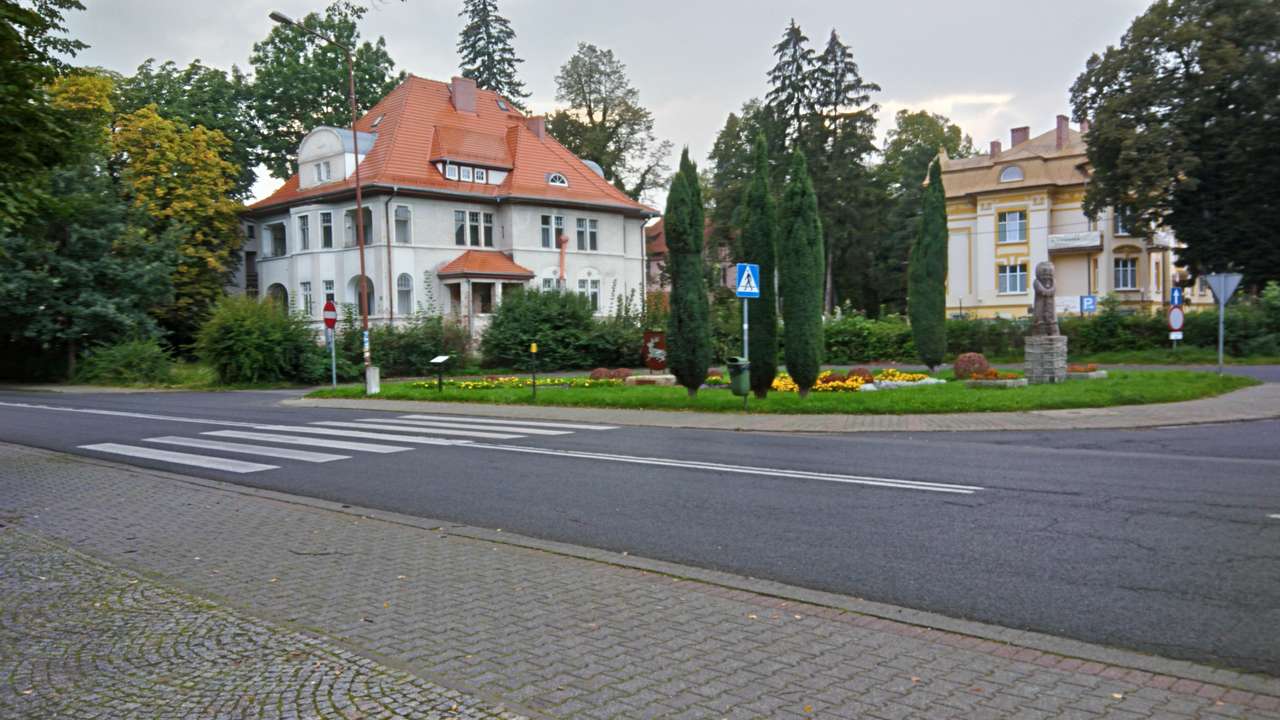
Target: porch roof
column 484, row 264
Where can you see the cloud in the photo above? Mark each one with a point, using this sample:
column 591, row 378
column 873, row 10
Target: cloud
column 980, row 115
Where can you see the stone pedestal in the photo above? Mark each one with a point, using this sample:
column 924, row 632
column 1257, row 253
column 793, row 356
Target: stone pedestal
column 1046, row 359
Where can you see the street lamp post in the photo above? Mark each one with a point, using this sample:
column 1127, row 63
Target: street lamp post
column 370, row 372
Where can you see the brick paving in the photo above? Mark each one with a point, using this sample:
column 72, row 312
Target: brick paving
column 563, row 636
column 83, row 639
column 1261, row 402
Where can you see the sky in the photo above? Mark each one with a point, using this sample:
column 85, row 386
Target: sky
column 989, row 65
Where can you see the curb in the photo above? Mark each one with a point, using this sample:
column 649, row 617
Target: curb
column 1259, row 402
column 1038, row 648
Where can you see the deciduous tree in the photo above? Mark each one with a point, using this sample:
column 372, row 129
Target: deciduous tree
column 300, row 82
column 605, row 122
column 1184, row 130
column 927, row 275
column 800, row 260
column 487, row 56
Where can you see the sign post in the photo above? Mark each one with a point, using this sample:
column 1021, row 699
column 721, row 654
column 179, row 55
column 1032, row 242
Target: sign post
column 1222, row 285
column 1176, row 318
column 533, row 350
column 748, row 287
column 330, row 320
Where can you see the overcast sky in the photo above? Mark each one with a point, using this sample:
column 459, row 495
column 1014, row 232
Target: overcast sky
column 987, row 64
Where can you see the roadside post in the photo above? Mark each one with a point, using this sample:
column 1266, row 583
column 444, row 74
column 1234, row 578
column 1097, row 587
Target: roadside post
column 1223, row 286
column 439, row 362
column 1176, row 316
column 330, row 320
column 748, row 287
column 533, row 350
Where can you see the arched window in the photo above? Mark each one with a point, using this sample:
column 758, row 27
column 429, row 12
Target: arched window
column 279, row 295
column 353, row 294
column 404, row 293
column 1013, row 173
column 558, row 180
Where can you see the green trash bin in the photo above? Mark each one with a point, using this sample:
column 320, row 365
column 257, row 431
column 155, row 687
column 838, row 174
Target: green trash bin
column 739, row 376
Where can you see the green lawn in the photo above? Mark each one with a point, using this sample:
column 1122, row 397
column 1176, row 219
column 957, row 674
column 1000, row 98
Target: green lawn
column 1162, row 356
column 1121, row 388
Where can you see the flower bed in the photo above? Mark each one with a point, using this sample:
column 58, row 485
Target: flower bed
column 495, row 382
column 857, row 380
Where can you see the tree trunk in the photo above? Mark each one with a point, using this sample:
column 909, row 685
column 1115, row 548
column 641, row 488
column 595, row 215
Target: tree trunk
column 693, row 392
column 71, row 359
column 762, row 394
column 827, row 293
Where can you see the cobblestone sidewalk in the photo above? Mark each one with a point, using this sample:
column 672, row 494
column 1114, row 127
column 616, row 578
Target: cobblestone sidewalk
column 82, row 639
column 555, row 635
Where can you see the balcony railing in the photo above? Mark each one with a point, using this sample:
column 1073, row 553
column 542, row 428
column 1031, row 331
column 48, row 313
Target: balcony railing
column 1090, row 240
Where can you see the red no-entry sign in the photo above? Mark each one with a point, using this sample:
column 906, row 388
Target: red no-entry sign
column 330, row 314
column 1176, row 318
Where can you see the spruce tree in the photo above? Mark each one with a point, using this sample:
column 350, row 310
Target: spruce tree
column 688, row 327
column 927, row 274
column 800, row 271
column 487, row 55
column 791, row 97
column 758, row 222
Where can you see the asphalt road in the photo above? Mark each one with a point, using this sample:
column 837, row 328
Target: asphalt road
column 1165, row 541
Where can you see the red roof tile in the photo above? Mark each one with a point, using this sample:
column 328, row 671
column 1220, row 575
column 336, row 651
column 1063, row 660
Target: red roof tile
column 484, row 262
column 419, row 124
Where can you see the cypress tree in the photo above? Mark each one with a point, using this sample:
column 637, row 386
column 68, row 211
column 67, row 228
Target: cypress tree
column 487, row 55
column 688, row 327
column 800, row 272
column 759, row 237
column 927, row 274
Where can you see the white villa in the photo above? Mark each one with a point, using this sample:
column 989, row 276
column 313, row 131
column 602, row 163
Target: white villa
column 465, row 198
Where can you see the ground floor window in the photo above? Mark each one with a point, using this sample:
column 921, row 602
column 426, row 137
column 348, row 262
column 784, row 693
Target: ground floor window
column 404, row 293
column 1126, row 273
column 328, row 291
column 306, row 298
column 1012, row 278
column 590, row 288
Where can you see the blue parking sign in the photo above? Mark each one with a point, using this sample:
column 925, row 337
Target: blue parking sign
column 1088, row 303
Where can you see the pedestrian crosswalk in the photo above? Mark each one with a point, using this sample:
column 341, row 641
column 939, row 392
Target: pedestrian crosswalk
column 333, row 440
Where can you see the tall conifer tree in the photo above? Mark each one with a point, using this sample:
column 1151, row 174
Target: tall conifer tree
column 927, row 275
column 800, row 270
column 486, row 53
column 759, row 227
column 688, row 328
column 792, row 93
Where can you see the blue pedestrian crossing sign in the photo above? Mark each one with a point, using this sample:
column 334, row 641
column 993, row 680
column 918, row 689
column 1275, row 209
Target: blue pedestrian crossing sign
column 748, row 280
column 1175, row 296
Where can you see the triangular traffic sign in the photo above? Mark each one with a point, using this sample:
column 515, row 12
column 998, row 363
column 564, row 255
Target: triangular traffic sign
column 748, row 283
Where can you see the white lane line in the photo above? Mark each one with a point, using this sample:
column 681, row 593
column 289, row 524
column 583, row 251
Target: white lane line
column 512, row 421
column 120, row 413
column 466, row 426
column 312, row 442
column 420, row 430
column 1274, row 516
column 248, row 449
column 204, row 461
column 739, row 469
column 358, row 435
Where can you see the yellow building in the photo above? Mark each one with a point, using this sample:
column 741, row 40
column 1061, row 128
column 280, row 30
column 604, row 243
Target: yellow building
column 1010, row 209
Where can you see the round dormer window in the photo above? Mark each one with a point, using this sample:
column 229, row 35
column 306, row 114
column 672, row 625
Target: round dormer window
column 558, row 180
column 1013, row 173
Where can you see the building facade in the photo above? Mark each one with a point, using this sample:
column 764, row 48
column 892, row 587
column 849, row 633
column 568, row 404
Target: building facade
column 465, row 199
column 1010, row 209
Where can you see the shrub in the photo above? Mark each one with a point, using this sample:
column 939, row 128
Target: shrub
column 247, row 341
column 969, row 364
column 860, row 373
column 613, row 342
column 559, row 322
column 855, row 338
column 128, row 363
column 619, row 374
column 599, row 374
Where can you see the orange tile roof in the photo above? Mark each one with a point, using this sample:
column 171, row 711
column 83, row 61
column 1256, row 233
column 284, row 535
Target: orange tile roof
column 655, row 237
column 489, row 263
column 419, row 124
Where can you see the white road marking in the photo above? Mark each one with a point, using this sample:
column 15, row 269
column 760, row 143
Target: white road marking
column 204, row 461
column 513, row 421
column 248, row 449
column 466, row 426
column 356, row 434
column 1274, row 516
column 739, row 469
column 119, row 413
column 421, row 430
column 312, row 442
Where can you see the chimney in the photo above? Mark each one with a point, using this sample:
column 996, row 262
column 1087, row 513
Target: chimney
column 1084, row 127
column 537, row 125
column 1063, row 135
column 464, row 94
column 995, row 148
column 1019, row 135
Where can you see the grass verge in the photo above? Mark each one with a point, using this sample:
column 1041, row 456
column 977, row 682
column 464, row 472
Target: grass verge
column 1121, row 388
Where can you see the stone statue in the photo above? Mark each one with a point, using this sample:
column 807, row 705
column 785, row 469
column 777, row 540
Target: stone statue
column 1044, row 313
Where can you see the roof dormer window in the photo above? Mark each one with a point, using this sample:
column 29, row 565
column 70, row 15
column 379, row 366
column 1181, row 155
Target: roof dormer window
column 1013, row 173
column 451, row 172
column 481, row 175
column 323, row 173
column 502, row 105
column 557, row 179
